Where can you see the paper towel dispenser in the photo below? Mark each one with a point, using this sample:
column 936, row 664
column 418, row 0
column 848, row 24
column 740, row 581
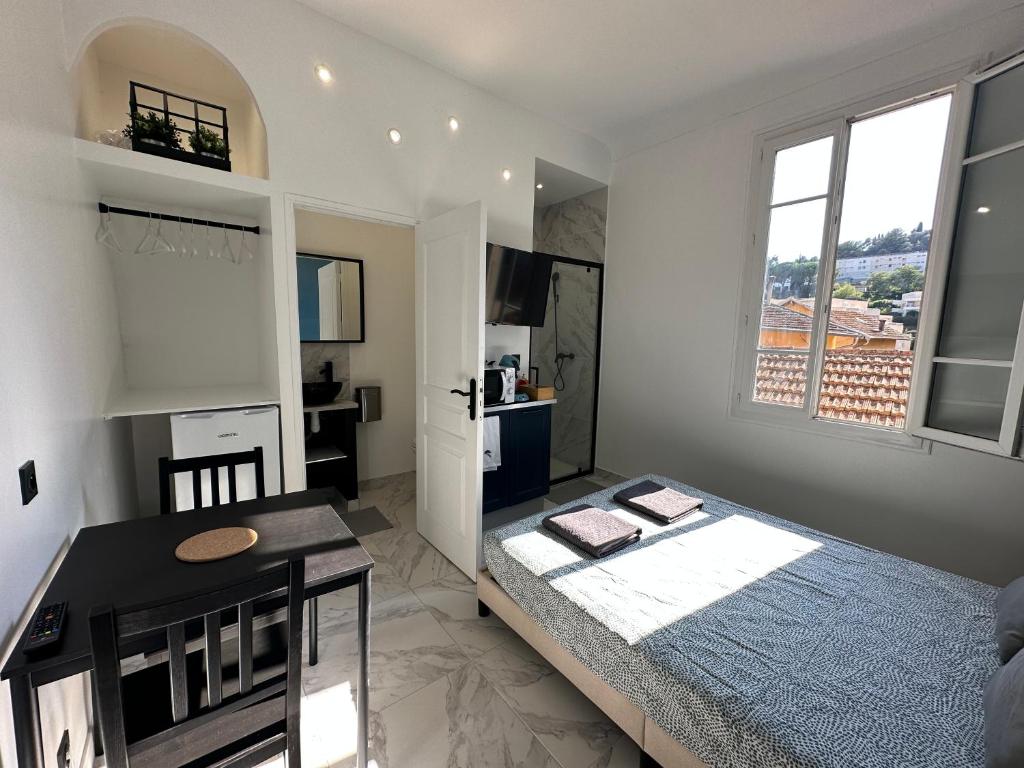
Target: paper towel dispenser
column 369, row 403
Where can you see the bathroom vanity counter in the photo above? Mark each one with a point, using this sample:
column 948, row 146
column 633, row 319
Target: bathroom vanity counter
column 337, row 405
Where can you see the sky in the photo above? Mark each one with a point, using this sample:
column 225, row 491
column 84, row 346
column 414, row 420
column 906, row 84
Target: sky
column 891, row 180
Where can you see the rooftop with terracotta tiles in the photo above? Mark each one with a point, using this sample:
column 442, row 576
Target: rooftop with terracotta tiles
column 870, row 387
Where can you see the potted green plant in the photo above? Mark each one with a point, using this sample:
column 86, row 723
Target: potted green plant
column 151, row 128
column 208, row 143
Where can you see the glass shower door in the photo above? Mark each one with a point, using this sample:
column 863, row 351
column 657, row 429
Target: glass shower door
column 565, row 354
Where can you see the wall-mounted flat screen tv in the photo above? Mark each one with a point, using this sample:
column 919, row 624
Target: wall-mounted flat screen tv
column 517, row 286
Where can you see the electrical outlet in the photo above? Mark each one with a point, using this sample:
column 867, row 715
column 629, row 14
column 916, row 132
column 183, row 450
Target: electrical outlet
column 29, row 485
column 64, row 751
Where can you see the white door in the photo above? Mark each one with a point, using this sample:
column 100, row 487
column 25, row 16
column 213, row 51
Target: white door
column 450, row 356
column 327, row 283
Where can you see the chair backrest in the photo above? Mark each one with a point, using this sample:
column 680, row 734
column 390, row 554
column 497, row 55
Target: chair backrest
column 212, row 464
column 245, row 727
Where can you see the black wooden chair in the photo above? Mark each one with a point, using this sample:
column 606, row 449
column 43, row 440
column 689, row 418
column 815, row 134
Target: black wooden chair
column 212, row 464
column 196, row 466
column 201, row 708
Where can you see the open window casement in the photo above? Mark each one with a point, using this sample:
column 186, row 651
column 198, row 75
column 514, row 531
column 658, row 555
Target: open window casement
column 969, row 385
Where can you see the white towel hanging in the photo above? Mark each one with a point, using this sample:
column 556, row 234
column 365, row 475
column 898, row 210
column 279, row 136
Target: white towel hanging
column 492, row 443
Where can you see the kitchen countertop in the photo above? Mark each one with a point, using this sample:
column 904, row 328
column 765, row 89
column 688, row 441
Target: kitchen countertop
column 337, row 405
column 515, row 406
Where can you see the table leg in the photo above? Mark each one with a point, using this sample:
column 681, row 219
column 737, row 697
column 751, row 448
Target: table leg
column 363, row 683
column 28, row 734
column 314, row 654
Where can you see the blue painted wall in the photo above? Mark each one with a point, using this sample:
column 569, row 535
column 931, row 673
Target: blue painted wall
column 309, row 297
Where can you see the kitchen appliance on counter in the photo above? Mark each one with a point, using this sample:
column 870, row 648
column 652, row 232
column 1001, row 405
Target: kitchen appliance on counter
column 205, row 433
column 499, row 385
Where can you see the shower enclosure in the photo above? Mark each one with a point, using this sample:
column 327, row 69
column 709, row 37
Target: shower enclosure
column 565, row 353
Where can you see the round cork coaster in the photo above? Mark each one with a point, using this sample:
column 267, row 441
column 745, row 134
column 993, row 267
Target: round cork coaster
column 215, row 545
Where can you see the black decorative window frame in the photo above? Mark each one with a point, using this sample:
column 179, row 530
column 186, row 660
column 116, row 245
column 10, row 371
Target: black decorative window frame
column 194, row 121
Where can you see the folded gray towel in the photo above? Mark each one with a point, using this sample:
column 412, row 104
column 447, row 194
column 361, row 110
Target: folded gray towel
column 596, row 532
column 657, row 501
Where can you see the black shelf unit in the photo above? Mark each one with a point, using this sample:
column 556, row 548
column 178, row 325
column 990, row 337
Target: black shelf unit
column 331, row 452
column 136, row 107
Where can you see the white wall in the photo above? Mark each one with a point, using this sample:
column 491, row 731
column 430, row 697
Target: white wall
column 388, row 356
column 676, row 243
column 58, row 348
column 508, row 340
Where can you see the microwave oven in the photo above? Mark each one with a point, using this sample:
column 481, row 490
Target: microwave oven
column 499, row 385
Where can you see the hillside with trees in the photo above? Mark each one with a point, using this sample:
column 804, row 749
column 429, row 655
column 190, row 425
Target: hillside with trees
column 894, row 241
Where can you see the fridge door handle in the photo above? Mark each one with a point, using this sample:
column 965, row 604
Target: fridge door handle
column 254, row 411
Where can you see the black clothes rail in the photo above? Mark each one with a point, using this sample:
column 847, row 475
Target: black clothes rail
column 104, row 208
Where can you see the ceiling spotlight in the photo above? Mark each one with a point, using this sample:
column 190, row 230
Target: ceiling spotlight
column 983, row 209
column 539, row 185
column 323, row 74
column 453, row 123
column 394, row 136
column 506, row 174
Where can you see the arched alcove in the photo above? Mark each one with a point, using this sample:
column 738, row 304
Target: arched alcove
column 173, row 60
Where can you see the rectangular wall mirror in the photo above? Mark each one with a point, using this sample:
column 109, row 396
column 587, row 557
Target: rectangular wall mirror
column 330, row 298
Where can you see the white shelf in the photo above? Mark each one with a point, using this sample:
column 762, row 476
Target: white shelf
column 144, row 402
column 122, row 173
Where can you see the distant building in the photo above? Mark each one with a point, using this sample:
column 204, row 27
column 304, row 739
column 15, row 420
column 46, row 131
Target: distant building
column 909, row 302
column 857, row 269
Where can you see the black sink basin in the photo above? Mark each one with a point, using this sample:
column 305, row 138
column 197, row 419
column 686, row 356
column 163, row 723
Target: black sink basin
column 320, row 392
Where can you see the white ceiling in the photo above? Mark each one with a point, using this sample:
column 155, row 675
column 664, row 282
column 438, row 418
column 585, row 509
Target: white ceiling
column 599, row 65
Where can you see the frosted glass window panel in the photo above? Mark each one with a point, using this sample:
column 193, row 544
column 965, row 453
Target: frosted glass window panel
column 985, row 290
column 998, row 111
column 802, row 171
column 968, row 399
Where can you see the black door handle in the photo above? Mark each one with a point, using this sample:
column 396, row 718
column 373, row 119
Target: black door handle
column 472, row 398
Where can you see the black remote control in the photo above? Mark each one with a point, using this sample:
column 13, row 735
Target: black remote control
column 46, row 627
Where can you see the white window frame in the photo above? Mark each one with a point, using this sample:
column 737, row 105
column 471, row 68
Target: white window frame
column 836, row 123
column 939, row 258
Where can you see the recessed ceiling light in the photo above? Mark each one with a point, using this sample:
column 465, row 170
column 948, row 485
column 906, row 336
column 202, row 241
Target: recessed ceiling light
column 323, row 74
column 453, row 123
column 394, row 136
column 539, row 185
column 983, row 209
column 506, row 174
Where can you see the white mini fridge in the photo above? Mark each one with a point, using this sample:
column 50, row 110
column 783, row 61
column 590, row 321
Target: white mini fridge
column 205, row 433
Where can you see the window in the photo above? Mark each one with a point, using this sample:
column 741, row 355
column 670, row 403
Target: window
column 842, row 248
column 972, row 388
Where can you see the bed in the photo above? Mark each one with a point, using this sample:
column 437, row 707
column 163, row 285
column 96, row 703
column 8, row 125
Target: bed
column 735, row 639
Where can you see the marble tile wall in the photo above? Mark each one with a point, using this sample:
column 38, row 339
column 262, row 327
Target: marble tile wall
column 314, row 356
column 574, row 228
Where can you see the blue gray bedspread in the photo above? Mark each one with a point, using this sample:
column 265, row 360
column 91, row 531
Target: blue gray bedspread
column 758, row 642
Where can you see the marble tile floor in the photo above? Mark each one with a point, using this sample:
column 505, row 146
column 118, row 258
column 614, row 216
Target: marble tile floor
column 447, row 688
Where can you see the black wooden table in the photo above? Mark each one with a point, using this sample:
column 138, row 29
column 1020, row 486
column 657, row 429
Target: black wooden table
column 133, row 562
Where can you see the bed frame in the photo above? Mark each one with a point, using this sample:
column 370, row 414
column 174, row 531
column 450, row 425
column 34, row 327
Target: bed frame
column 647, row 734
